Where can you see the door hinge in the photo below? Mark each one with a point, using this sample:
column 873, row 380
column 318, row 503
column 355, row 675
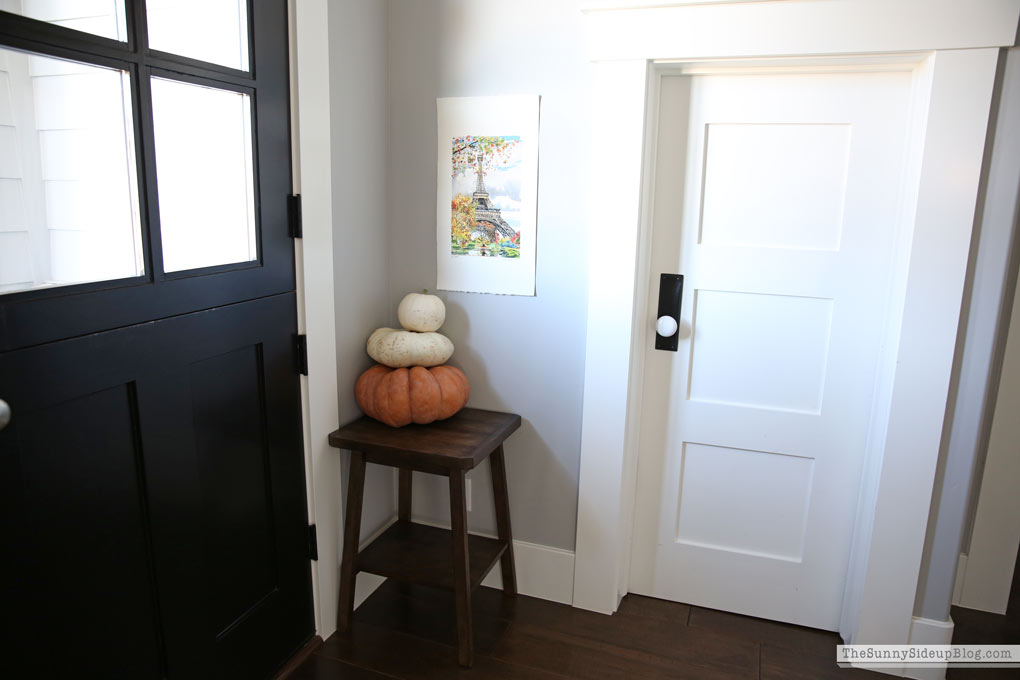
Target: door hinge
column 301, row 353
column 313, row 543
column 294, row 216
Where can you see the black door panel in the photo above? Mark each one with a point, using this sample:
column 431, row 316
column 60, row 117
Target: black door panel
column 228, row 408
column 72, row 471
column 152, row 491
column 176, row 488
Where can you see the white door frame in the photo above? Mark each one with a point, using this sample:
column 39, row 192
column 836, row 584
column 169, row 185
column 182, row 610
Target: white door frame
column 955, row 46
column 310, row 152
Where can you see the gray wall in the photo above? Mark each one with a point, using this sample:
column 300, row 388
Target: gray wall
column 358, row 67
column 390, row 60
column 521, row 354
column 983, row 323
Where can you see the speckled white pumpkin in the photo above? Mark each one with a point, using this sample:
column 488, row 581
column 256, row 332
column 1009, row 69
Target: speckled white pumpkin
column 399, row 349
column 421, row 312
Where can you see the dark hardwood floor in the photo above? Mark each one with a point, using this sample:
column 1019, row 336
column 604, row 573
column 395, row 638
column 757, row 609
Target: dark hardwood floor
column 407, row 631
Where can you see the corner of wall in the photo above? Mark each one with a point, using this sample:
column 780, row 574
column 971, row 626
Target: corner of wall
column 929, row 632
column 985, row 317
column 357, row 76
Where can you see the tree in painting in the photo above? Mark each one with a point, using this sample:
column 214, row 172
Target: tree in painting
column 486, row 221
column 494, row 151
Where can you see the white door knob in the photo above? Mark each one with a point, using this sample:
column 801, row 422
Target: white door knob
column 666, row 326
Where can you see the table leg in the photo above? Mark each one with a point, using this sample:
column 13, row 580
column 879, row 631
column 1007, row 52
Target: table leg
column 461, row 568
column 502, row 498
column 352, row 534
column 404, row 494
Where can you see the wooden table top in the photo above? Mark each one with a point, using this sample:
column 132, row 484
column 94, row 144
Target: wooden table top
column 459, row 442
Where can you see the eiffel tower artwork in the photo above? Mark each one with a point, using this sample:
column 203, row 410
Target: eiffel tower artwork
column 478, row 224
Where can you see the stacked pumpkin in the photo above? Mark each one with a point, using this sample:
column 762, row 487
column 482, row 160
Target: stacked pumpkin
column 411, row 384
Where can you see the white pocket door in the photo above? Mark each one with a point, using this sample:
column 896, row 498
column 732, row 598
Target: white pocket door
column 778, row 197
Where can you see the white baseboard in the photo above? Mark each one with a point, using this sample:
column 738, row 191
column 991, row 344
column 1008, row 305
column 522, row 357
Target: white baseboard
column 922, row 632
column 542, row 571
column 365, row 586
column 929, row 632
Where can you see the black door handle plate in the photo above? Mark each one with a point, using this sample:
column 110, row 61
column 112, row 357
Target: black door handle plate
column 671, row 291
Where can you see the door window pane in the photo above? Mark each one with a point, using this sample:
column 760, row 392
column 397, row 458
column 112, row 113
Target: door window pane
column 99, row 17
column 204, row 175
column 68, row 194
column 211, row 30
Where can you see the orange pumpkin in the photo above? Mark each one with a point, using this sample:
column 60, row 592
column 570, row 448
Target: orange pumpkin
column 399, row 396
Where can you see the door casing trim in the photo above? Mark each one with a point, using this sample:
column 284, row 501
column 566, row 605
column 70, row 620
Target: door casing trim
column 953, row 90
column 310, row 137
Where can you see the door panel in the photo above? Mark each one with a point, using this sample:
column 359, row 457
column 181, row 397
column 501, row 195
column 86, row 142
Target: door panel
column 228, row 410
column 170, row 450
column 82, row 535
column 778, row 197
column 154, row 491
column 222, row 427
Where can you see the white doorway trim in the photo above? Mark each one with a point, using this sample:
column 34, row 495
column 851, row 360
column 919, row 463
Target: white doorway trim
column 310, row 143
column 955, row 47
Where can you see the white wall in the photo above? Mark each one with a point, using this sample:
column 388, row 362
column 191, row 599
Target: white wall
column 358, row 67
column 991, row 556
column 980, row 342
column 521, row 354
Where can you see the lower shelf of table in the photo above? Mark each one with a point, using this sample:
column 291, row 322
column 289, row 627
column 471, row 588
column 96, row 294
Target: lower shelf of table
column 421, row 554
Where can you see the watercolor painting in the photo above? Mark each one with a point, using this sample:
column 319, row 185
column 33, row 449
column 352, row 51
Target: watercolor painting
column 485, row 217
column 487, row 194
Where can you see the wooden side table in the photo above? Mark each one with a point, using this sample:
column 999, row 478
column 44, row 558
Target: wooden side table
column 453, row 560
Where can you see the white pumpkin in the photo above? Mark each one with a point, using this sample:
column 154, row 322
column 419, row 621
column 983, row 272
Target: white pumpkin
column 421, row 312
column 399, row 349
